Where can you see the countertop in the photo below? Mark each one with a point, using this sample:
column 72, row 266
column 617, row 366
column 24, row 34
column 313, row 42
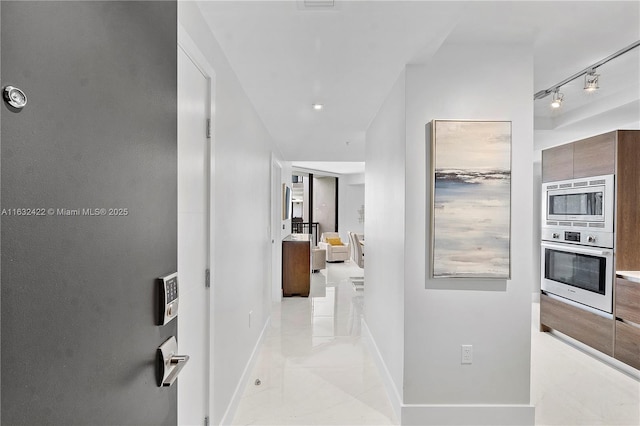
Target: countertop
column 630, row 275
column 298, row 237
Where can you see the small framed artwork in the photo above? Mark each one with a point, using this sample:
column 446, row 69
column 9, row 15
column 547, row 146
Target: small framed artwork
column 471, row 199
column 286, row 202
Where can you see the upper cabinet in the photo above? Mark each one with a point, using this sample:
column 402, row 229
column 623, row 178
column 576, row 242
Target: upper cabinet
column 593, row 156
column 557, row 163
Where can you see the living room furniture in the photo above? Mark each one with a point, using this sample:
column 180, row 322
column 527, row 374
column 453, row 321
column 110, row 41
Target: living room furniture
column 318, row 259
column 358, row 250
column 296, row 265
column 357, row 256
column 337, row 251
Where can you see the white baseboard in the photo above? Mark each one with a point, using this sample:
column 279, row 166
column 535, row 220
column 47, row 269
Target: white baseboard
column 535, row 296
column 449, row 415
column 392, row 391
column 459, row 415
column 230, row 413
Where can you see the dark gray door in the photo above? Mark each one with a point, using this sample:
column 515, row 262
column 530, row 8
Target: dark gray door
column 77, row 283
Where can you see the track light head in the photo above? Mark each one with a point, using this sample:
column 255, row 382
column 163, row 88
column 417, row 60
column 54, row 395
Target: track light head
column 558, row 97
column 591, row 81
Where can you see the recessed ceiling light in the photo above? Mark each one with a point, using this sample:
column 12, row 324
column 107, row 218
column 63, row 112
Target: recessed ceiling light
column 317, row 107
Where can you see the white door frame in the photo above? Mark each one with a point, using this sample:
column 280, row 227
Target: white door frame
column 276, row 229
column 191, row 49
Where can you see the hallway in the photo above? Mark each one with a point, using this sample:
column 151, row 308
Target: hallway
column 313, row 366
column 315, row 370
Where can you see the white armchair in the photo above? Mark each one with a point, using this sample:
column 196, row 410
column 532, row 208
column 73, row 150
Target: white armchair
column 337, row 251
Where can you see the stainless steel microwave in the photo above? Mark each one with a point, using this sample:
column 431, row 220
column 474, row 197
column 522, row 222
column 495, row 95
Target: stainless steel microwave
column 579, row 203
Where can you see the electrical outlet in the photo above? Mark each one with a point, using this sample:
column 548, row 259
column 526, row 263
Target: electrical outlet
column 467, row 354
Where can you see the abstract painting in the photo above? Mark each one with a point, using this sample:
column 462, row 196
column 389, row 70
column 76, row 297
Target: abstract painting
column 286, row 202
column 471, row 199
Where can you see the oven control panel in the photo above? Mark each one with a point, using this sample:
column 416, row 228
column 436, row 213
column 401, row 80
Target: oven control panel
column 572, row 236
column 587, row 237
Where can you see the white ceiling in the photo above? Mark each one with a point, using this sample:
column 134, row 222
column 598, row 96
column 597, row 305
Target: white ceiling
column 288, row 57
column 333, row 167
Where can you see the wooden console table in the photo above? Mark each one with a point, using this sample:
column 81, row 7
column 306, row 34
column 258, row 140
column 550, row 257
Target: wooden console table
column 296, row 265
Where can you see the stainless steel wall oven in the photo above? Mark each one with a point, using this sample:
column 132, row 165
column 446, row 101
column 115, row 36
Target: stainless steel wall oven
column 577, row 250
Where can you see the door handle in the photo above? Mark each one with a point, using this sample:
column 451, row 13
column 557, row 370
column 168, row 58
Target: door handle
column 168, row 364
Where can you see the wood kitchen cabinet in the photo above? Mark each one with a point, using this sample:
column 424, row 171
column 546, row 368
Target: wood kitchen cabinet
column 627, row 309
column 587, row 327
column 617, row 153
column 557, row 163
column 593, row 156
column 296, row 265
column 627, row 223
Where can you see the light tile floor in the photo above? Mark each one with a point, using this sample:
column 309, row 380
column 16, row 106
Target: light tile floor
column 313, row 367
column 315, row 370
column 571, row 387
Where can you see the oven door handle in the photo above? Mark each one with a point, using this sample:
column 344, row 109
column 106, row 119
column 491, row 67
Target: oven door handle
column 576, row 249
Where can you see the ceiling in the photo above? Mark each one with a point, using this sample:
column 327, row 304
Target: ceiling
column 288, row 56
column 330, row 167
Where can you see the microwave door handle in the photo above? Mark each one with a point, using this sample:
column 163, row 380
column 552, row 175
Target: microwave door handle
column 576, row 249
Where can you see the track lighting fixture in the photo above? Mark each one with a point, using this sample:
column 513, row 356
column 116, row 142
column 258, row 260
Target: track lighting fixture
column 558, row 97
column 591, row 81
column 590, row 78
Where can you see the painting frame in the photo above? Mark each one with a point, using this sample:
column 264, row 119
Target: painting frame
column 286, row 202
column 470, row 203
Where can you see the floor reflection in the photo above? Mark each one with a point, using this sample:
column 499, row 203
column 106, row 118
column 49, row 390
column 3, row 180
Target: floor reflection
column 313, row 366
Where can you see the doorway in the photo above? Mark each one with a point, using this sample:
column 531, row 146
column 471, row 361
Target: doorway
column 194, row 171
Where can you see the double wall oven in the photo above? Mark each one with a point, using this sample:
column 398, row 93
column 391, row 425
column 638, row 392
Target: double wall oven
column 577, row 250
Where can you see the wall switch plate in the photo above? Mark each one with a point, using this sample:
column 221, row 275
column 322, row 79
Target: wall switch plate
column 467, row 354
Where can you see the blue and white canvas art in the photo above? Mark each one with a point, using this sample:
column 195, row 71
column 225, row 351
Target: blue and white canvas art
column 471, row 215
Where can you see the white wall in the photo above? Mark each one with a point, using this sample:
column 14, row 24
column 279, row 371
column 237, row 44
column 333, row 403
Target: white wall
column 479, row 81
column 350, row 201
column 385, row 237
column 324, row 203
column 241, row 249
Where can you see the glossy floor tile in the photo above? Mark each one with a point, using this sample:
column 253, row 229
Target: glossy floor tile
column 315, row 370
column 313, row 367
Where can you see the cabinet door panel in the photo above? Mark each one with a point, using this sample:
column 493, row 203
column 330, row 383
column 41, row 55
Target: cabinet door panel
column 595, row 156
column 557, row 163
column 627, row 347
column 296, row 268
column 628, row 300
column 587, row 327
column 628, row 201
